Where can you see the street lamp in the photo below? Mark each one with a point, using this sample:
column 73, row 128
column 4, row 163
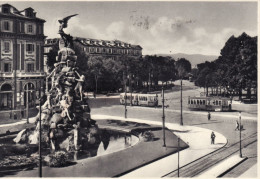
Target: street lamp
column 21, row 96
column 178, row 156
column 163, row 118
column 240, row 128
column 27, row 101
column 125, row 97
column 40, row 133
column 181, row 122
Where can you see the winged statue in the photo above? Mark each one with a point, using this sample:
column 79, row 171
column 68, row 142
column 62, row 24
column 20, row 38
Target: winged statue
column 66, row 37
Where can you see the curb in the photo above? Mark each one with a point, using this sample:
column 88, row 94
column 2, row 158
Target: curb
column 231, row 168
column 196, row 159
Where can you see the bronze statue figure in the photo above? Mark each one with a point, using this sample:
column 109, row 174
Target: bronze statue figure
column 68, row 40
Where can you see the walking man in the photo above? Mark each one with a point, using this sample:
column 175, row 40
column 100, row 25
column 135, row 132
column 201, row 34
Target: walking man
column 209, row 116
column 237, row 126
column 213, row 138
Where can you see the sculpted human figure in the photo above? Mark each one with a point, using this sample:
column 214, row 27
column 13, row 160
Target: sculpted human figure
column 79, row 86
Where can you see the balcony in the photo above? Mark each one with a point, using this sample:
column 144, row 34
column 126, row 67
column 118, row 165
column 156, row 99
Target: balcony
column 22, row 74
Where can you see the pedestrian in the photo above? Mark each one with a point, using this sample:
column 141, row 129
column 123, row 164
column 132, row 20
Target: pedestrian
column 237, row 126
column 209, row 116
column 10, row 115
column 15, row 116
column 22, row 113
column 213, row 136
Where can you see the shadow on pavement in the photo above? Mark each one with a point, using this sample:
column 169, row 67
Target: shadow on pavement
column 204, row 123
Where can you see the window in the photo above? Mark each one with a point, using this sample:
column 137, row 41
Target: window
column 6, row 10
column 7, row 25
column 30, row 48
column 7, row 46
column 30, row 28
column 7, row 67
column 30, row 67
column 40, row 29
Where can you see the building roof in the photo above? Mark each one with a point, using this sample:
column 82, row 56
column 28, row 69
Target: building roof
column 95, row 42
column 19, row 14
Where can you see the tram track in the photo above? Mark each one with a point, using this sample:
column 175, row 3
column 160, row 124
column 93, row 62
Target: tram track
column 198, row 166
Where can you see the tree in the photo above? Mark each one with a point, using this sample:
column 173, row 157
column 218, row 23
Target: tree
column 183, row 67
column 95, row 66
column 51, row 58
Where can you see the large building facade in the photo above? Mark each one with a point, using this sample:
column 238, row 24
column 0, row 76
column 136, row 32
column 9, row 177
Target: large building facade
column 21, row 57
column 95, row 47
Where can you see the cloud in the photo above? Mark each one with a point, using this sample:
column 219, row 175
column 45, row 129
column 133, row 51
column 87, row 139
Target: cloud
column 160, row 35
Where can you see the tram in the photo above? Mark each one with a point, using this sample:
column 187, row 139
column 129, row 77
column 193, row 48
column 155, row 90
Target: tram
column 209, row 103
column 139, row 99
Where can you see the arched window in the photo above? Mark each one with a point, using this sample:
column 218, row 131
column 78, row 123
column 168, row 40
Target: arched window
column 6, row 87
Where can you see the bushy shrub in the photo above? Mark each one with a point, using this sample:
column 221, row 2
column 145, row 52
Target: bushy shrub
column 58, row 159
column 148, row 136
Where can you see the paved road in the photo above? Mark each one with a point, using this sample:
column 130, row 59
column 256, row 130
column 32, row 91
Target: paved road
column 221, row 122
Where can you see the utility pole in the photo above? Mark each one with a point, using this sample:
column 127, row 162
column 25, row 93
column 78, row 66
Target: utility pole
column 40, row 133
column 178, row 157
column 20, row 103
column 181, row 105
column 27, row 101
column 240, row 147
column 130, row 81
column 163, row 118
column 125, row 98
column 149, row 80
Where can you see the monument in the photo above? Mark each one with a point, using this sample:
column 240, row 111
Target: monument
column 66, row 123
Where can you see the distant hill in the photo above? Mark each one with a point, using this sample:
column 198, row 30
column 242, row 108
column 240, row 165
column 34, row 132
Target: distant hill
column 193, row 58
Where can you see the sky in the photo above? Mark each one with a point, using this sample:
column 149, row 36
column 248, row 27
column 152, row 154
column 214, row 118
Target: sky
column 167, row 27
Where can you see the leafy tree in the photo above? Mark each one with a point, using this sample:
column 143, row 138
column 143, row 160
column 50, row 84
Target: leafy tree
column 183, row 67
column 95, row 67
column 51, row 58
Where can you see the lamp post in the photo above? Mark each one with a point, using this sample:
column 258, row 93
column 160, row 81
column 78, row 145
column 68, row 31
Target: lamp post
column 178, row 156
column 240, row 147
column 21, row 104
column 163, row 118
column 40, row 134
column 131, row 91
column 27, row 101
column 181, row 122
column 125, row 97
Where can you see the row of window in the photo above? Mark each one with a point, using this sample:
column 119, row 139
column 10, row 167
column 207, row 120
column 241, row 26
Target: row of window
column 7, row 47
column 8, row 67
column 7, row 26
column 203, row 102
column 110, row 50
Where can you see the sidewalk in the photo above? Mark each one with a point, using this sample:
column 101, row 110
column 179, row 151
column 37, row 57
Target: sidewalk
column 250, row 173
column 197, row 138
